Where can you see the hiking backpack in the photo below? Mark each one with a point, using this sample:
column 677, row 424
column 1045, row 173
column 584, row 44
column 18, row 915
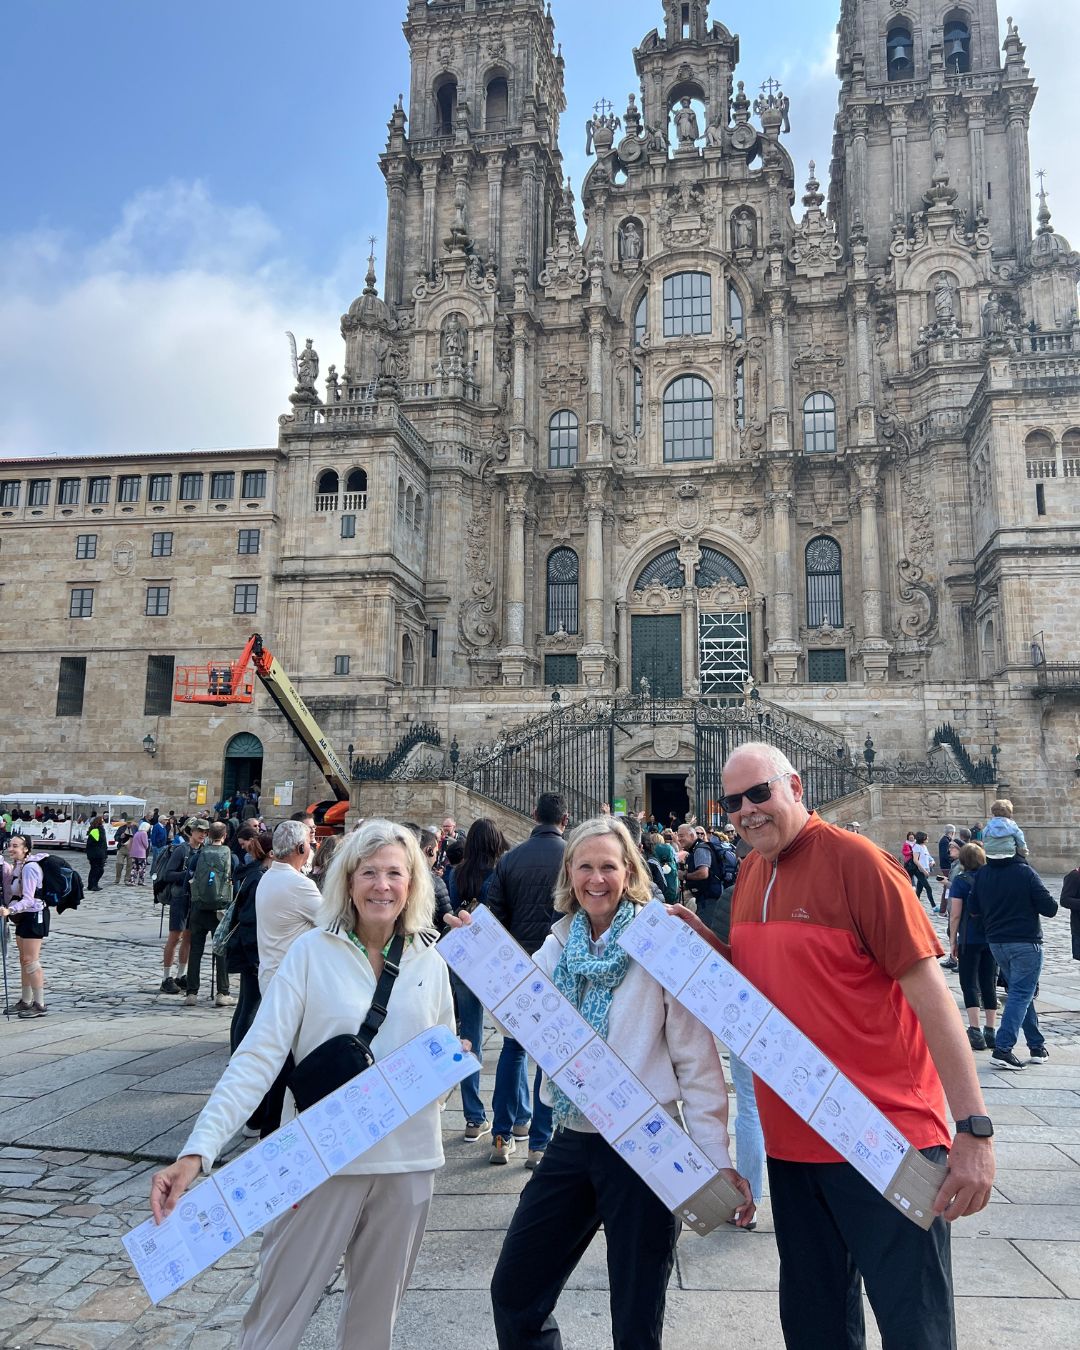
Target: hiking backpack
column 61, row 885
column 211, row 882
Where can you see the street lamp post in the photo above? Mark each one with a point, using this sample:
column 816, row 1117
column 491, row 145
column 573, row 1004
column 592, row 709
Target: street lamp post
column 869, row 754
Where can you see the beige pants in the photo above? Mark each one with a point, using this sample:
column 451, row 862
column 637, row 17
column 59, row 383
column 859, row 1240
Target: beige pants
column 378, row 1222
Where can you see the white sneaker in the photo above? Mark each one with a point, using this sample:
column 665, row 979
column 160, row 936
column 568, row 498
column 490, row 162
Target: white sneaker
column 224, row 1001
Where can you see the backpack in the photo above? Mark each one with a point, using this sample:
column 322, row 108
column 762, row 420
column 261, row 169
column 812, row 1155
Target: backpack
column 211, row 882
column 657, row 874
column 727, row 860
column 61, row 885
column 160, row 881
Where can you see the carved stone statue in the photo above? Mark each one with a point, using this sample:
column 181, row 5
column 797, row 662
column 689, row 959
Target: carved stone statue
column 994, row 318
column 630, row 242
column 655, row 140
column 944, row 300
column 714, row 132
column 453, row 341
column 307, row 366
column 387, row 359
column 686, row 123
column 742, row 229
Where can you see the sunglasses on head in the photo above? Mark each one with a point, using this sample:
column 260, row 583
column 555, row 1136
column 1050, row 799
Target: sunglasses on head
column 760, row 792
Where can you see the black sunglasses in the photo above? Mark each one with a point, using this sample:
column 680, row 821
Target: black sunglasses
column 760, row 792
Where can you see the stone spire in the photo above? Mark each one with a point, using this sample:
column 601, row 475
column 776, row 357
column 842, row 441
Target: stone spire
column 1044, row 210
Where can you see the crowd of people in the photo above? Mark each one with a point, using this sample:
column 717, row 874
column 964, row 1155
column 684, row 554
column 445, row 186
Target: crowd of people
column 325, row 936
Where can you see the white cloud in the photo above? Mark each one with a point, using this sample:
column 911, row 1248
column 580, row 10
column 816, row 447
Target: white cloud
column 167, row 334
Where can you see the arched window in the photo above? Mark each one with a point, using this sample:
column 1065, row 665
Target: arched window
column 408, row 662
column 401, row 498
column 989, row 648
column 563, row 440
column 688, row 420
column 1070, row 453
column 639, row 401
column 562, row 591
column 446, row 105
column 740, row 394
column 641, row 320
column 356, row 481
column 326, row 491
column 716, row 567
column 735, row 312
column 418, row 508
column 824, row 583
column 1040, row 455
column 900, row 52
column 497, row 104
column 957, row 44
column 819, row 424
column 687, row 304
column 409, row 506
column 665, row 570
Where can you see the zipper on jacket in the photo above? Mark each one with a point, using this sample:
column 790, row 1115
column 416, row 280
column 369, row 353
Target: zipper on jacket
column 768, row 890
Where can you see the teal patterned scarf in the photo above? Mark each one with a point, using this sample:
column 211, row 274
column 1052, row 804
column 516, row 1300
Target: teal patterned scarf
column 588, row 982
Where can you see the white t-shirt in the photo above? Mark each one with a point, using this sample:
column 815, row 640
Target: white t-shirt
column 921, row 855
column 287, row 905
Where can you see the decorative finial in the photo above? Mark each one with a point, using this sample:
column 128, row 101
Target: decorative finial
column 369, row 280
column 1044, row 208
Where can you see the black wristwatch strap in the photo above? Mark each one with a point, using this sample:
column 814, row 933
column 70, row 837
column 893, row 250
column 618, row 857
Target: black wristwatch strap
column 982, row 1127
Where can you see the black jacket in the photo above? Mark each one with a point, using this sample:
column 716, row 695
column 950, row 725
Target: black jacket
column 97, row 850
column 442, row 900
column 1009, row 896
column 178, row 881
column 243, row 949
column 1070, row 899
column 520, row 893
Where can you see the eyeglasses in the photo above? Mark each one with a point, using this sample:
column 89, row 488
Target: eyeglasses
column 760, row 792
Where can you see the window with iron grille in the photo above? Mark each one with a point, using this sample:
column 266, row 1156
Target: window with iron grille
column 69, row 491
column 248, row 541
column 824, row 583
column 560, row 669
column 688, row 420
column 9, row 492
column 70, row 686
column 740, row 394
column 253, row 483
column 341, row 665
column 159, row 686
column 826, row 667
column 348, row 527
column 735, row 312
column 715, row 568
column 819, row 425
column 160, row 487
column 82, row 603
column 157, row 601
column 86, row 546
column 687, row 304
column 190, row 487
column 666, row 570
column 246, row 598
column 562, row 591
column 161, row 544
column 222, row 486
column 639, row 401
column 129, row 487
column 563, row 440
column 39, row 492
column 97, row 491
column 641, row 320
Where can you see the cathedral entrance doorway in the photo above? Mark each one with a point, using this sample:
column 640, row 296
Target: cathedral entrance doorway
column 666, row 794
column 656, row 648
column 243, row 764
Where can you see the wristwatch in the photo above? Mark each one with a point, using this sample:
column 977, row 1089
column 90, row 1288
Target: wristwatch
column 982, row 1127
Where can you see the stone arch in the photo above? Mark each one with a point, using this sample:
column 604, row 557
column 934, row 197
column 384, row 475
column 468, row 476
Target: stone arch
column 356, row 480
column 327, row 483
column 444, row 92
column 652, row 546
column 988, row 647
column 496, row 86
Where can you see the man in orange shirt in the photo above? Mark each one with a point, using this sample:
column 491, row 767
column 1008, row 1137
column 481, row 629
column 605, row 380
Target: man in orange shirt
column 827, row 926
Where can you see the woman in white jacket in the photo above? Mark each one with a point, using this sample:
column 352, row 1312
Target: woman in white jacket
column 374, row 1210
column 581, row 1181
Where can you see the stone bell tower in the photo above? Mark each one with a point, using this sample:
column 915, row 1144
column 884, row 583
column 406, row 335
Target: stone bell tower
column 476, row 156
column 928, row 102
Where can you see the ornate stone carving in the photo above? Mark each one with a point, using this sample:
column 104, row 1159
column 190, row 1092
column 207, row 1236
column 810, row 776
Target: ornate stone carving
column 477, row 621
column 685, row 219
column 123, row 557
column 665, row 742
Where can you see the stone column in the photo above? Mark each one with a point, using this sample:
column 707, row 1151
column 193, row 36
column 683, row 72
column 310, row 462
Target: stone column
column 622, row 614
column 1016, row 139
column 757, row 637
column 898, row 131
column 784, row 649
column 691, row 673
column 394, row 286
column 513, row 657
column 595, row 656
column 873, row 650
column 529, row 175
column 429, row 177
column 863, row 352
column 976, row 112
column 860, row 121
column 494, row 179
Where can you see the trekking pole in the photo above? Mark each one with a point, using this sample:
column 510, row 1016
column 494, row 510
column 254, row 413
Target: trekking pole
column 4, row 947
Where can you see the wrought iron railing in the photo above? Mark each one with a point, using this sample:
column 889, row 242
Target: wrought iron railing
column 977, row 772
column 377, row 768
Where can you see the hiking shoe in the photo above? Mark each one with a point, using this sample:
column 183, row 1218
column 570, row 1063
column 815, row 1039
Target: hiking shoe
column 169, row 985
column 474, row 1133
column 949, row 964
column 181, row 981
column 20, row 1007
column 224, row 1001
column 1005, row 1059
column 191, row 1000
column 975, row 1038
column 532, row 1162
column 1038, row 1056
column 990, row 1037
column 520, row 1131
column 500, row 1151
column 34, row 1010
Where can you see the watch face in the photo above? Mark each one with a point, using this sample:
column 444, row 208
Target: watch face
column 981, row 1127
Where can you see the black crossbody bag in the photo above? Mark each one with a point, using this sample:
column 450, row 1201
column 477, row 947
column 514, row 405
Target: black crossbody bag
column 333, row 1063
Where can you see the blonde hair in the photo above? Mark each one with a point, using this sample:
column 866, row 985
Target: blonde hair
column 638, row 885
column 418, row 916
column 1002, row 807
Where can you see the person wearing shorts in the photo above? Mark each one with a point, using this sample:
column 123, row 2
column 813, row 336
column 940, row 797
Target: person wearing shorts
column 178, row 870
column 22, row 881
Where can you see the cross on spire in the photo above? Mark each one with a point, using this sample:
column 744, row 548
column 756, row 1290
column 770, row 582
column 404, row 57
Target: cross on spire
column 770, row 88
column 603, row 107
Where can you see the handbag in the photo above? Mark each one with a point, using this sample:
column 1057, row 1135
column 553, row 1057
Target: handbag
column 331, row 1065
column 224, row 931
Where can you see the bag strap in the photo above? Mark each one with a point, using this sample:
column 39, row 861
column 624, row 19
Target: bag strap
column 376, row 1014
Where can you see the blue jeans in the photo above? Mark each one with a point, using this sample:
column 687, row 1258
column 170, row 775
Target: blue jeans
column 1021, row 964
column 749, row 1141
column 510, row 1103
column 470, row 1028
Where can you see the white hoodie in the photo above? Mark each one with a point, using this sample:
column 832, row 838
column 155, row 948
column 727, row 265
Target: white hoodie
column 323, row 988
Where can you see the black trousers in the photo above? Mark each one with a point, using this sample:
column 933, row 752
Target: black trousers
column 97, row 871
column 202, row 924
column 978, row 976
column 580, row 1183
column 833, row 1232
column 247, row 1005
column 922, row 883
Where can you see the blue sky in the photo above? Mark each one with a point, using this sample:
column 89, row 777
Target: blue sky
column 189, row 178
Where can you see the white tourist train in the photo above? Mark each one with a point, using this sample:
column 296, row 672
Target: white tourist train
column 72, row 812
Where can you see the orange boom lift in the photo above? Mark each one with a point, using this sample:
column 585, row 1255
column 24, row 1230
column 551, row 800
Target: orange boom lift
column 223, row 682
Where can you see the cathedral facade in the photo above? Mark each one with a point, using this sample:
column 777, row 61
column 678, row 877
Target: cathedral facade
column 730, row 437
